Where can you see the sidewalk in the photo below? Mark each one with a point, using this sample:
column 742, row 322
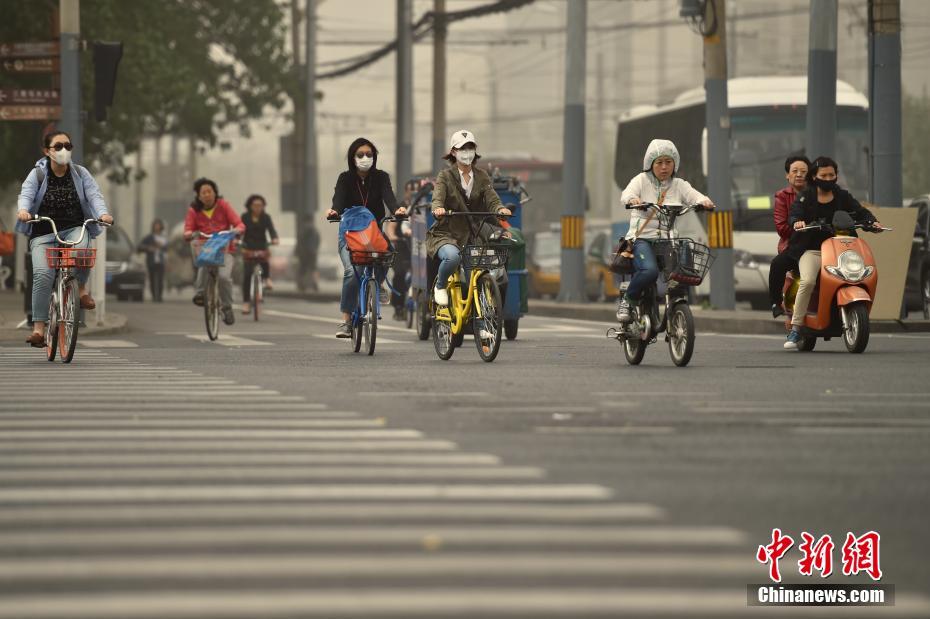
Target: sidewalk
column 11, row 314
column 745, row 322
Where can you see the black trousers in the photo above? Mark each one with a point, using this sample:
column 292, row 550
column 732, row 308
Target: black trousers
column 781, row 264
column 157, row 281
column 248, row 266
column 401, row 269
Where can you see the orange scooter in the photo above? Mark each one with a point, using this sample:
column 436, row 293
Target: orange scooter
column 845, row 290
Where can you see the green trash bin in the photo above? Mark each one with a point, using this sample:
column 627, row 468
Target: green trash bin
column 515, row 305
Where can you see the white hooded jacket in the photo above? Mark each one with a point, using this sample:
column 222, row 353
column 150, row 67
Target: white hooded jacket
column 647, row 188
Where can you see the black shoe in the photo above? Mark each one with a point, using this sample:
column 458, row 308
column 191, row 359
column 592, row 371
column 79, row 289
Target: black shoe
column 777, row 310
column 198, row 299
column 229, row 317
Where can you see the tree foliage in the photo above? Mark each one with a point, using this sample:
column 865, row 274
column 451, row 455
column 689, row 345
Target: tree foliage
column 189, row 67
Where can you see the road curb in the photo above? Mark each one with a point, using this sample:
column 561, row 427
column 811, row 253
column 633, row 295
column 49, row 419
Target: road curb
column 706, row 320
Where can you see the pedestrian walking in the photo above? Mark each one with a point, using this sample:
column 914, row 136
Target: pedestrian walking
column 154, row 245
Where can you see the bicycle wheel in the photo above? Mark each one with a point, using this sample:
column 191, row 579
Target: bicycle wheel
column 211, row 306
column 681, row 334
column 442, row 339
column 68, row 323
column 487, row 329
column 51, row 329
column 423, row 317
column 257, row 292
column 370, row 323
column 633, row 350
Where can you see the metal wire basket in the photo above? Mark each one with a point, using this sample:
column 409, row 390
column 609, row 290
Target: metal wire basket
column 684, row 260
column 364, row 258
column 486, row 256
column 70, row 257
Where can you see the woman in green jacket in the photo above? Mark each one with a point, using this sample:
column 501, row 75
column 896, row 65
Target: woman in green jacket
column 461, row 187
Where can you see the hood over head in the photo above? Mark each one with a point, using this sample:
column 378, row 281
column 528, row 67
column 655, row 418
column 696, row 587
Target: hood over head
column 661, row 148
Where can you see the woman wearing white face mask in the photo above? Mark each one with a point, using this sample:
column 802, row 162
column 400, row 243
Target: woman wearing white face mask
column 68, row 194
column 461, row 187
column 363, row 184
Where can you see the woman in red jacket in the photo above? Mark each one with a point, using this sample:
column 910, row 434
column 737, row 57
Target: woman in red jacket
column 796, row 168
column 210, row 213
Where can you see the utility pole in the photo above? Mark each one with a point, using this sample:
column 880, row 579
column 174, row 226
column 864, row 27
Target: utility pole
column 885, row 102
column 439, row 85
column 571, row 287
column 404, row 111
column 717, row 121
column 821, row 80
column 308, row 204
column 71, row 120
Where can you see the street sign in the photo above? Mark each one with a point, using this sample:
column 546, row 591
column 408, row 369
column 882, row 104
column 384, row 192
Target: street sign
column 30, row 65
column 29, row 50
column 30, row 112
column 31, row 96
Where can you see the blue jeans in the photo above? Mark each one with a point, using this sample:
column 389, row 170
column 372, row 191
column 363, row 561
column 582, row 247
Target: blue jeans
column 43, row 277
column 348, row 301
column 645, row 269
column 451, row 257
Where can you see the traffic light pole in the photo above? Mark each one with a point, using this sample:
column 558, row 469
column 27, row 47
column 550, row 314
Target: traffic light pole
column 885, row 101
column 404, row 104
column 717, row 121
column 70, row 28
column 571, row 285
column 821, row 80
column 439, row 86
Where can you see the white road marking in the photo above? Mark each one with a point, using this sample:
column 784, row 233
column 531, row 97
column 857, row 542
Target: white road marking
column 638, row 394
column 246, row 445
column 206, row 434
column 339, row 512
column 228, row 340
column 302, row 492
column 197, row 568
column 95, row 343
column 126, row 421
column 193, row 404
column 422, row 394
column 330, row 319
column 165, row 399
column 855, row 430
column 524, row 409
column 203, row 474
column 604, row 429
column 242, row 459
column 294, row 536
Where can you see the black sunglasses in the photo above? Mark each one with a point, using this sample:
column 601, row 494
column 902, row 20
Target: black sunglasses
column 60, row 145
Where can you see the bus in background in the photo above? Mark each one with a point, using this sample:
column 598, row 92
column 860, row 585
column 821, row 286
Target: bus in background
column 768, row 116
column 543, row 180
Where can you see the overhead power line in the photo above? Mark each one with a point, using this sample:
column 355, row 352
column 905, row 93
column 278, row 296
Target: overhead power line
column 421, row 28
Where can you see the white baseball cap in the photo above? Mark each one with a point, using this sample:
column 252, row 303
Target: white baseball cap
column 461, row 138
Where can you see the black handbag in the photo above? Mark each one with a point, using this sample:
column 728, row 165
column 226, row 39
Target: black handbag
column 622, row 262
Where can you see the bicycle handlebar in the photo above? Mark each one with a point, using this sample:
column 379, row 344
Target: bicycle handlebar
column 864, row 227
column 680, row 208
column 337, row 219
column 474, row 214
column 39, row 218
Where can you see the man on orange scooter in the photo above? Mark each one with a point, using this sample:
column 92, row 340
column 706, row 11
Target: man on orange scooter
column 818, row 202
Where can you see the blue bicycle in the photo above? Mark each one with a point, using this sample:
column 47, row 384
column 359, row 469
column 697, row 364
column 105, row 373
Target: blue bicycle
column 369, row 267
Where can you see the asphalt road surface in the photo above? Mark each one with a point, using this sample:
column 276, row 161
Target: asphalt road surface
column 274, row 473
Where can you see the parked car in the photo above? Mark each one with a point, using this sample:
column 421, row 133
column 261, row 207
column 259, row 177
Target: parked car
column 125, row 271
column 545, row 262
column 917, row 287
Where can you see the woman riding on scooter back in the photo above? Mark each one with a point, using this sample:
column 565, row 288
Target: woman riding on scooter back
column 818, row 202
column 656, row 184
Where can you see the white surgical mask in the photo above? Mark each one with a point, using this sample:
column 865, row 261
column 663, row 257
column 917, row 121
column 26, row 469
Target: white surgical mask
column 465, row 157
column 364, row 163
column 61, row 157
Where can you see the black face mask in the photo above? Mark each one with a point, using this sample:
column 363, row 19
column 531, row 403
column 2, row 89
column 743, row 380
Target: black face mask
column 824, row 185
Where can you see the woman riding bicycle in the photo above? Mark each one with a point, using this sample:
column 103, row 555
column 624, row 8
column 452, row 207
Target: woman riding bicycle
column 258, row 229
column 69, row 195
column 363, row 184
column 461, row 187
column 209, row 213
column 656, row 184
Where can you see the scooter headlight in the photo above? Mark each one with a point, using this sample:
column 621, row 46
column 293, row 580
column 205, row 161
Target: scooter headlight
column 850, row 266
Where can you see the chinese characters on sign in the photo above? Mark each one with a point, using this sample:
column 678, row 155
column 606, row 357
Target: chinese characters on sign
column 29, row 96
column 30, row 65
column 30, row 112
column 28, row 50
column 859, row 554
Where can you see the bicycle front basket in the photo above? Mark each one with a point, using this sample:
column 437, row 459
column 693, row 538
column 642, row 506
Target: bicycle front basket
column 486, row 256
column 363, row 258
column 70, row 257
column 687, row 262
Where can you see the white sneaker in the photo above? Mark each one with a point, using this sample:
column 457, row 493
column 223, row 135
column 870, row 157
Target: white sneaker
column 441, row 296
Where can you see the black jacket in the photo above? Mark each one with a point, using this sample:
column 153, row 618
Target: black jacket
column 374, row 191
column 807, row 209
column 256, row 233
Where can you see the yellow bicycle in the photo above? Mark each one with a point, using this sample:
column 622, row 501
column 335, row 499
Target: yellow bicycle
column 481, row 306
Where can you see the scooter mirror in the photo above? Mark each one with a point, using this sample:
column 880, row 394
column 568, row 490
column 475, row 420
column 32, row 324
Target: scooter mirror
column 843, row 221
